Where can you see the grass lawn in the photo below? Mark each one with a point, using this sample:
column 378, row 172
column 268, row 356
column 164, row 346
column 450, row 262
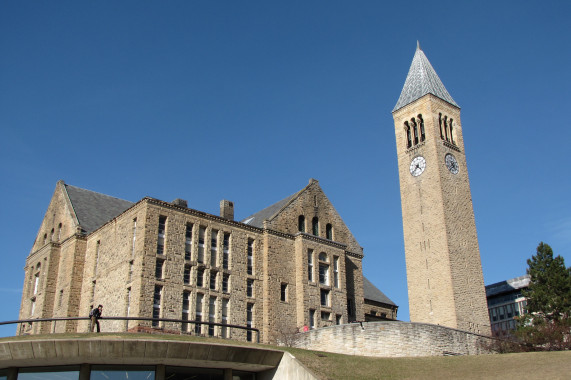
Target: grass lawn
column 535, row 365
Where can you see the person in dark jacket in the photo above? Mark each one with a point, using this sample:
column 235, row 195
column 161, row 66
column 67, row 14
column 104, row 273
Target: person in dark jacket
column 94, row 316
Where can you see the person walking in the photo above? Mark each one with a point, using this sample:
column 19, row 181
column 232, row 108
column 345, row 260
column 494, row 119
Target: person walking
column 94, row 316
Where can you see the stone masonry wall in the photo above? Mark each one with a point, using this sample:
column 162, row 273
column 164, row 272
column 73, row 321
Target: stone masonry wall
column 393, row 339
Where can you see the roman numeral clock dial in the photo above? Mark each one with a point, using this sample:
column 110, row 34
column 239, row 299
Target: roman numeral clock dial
column 451, row 163
column 417, row 166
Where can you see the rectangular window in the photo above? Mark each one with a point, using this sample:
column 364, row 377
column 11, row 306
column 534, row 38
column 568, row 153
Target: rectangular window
column 336, row 271
column 185, row 310
column 188, row 241
column 283, row 295
column 33, row 307
column 250, row 288
column 323, row 274
column 325, row 297
column 311, row 319
column 161, row 235
column 198, row 326
column 338, row 319
column 250, row 263
column 200, row 277
column 249, row 320
column 134, row 237
column 187, row 274
column 159, row 269
column 310, row 265
column 213, row 280
column 213, row 247
column 225, row 282
column 325, row 316
column 36, row 282
column 225, row 303
column 157, row 304
column 211, row 315
column 201, row 233
column 350, row 308
column 128, row 312
column 226, row 251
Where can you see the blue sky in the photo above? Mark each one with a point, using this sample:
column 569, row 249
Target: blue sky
column 247, row 100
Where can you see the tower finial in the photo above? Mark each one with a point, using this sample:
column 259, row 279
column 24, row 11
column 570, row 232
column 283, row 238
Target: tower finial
column 418, row 45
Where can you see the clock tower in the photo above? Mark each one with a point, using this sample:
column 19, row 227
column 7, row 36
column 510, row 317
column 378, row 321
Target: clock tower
column 444, row 272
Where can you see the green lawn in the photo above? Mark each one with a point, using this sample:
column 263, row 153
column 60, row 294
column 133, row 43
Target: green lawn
column 536, row 365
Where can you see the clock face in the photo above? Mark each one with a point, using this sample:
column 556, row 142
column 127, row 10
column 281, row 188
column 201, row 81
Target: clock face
column 417, row 166
column 451, row 163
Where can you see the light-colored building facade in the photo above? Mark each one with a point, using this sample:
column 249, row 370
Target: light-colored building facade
column 444, row 271
column 505, row 303
column 291, row 265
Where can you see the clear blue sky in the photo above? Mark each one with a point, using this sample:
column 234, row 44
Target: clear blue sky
column 247, row 100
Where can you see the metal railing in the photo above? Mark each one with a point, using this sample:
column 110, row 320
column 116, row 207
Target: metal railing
column 154, row 320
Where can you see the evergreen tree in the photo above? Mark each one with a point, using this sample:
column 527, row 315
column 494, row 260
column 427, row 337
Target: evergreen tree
column 549, row 292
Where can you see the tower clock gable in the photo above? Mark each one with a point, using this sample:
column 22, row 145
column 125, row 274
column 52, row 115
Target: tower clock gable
column 444, row 273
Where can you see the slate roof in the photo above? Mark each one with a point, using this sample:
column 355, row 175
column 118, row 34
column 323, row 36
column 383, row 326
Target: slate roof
column 257, row 219
column 372, row 293
column 422, row 80
column 94, row 209
column 507, row 286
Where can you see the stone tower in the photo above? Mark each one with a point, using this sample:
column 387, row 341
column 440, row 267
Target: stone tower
column 444, row 272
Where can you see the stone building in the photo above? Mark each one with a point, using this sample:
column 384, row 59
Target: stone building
column 292, row 264
column 444, row 271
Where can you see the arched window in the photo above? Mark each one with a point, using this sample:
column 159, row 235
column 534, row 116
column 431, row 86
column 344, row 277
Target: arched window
column 451, row 135
column 52, row 235
column 415, row 130
column 421, row 124
column 446, row 128
column 440, row 124
column 315, row 225
column 45, row 238
column 408, row 135
column 301, row 223
column 329, row 231
column 59, row 232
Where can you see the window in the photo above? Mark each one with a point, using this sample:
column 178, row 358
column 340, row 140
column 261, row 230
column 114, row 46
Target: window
column 225, row 282
column 323, row 269
column 225, row 302
column 187, row 274
column 161, row 235
column 315, row 226
column 213, row 247
column 213, row 280
column 311, row 319
column 249, row 320
column 226, row 251
column 211, row 315
column 350, row 308
column 201, row 233
column 325, row 298
column 134, row 237
column 250, row 288
column 283, row 295
column 200, row 277
column 336, row 271
column 128, row 302
column 157, row 304
column 310, row 265
column 338, row 319
column 188, row 241
column 159, row 269
column 52, row 233
column 97, row 249
column 198, row 326
column 59, row 227
column 301, row 223
column 325, row 316
column 36, row 282
column 250, row 263
column 185, row 310
column 329, row 231
column 33, row 307
column 60, row 300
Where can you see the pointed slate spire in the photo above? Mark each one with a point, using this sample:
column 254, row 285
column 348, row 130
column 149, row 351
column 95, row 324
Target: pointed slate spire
column 422, row 80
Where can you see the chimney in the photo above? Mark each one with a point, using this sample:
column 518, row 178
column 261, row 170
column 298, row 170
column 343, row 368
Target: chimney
column 227, row 209
column 180, row 202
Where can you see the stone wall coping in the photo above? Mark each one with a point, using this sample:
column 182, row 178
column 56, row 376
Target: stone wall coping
column 108, row 350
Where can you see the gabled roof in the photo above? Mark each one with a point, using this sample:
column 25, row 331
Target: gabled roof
column 94, row 209
column 422, row 80
column 371, row 292
column 257, row 219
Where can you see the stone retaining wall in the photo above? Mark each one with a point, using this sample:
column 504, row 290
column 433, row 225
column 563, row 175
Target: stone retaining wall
column 393, row 339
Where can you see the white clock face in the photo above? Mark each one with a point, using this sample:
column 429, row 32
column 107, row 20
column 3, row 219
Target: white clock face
column 417, row 166
column 451, row 163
